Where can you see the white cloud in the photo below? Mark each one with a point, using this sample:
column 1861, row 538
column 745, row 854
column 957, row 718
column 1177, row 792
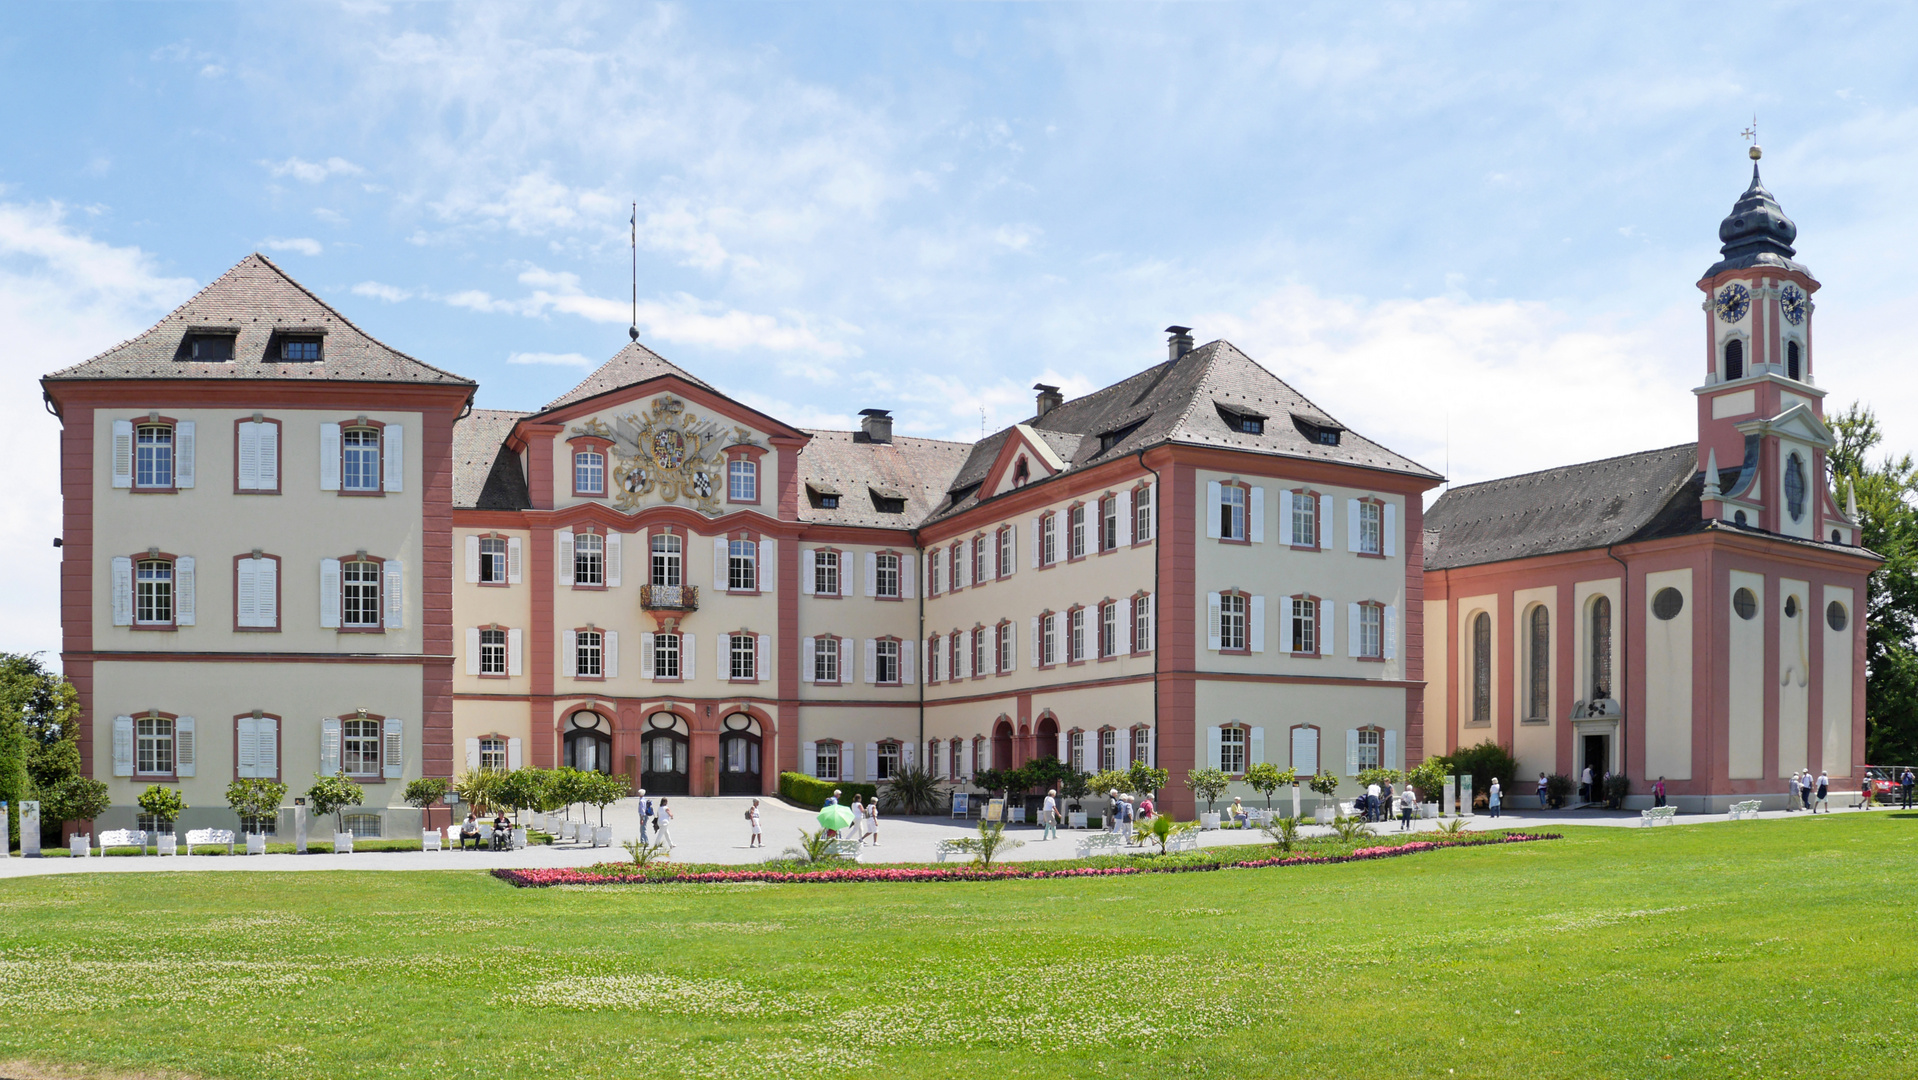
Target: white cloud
column 305, row 245
column 570, row 359
column 313, row 171
column 392, row 294
column 64, row 297
column 331, row 217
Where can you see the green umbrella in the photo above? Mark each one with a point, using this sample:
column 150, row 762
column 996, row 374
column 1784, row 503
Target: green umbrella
column 835, row 817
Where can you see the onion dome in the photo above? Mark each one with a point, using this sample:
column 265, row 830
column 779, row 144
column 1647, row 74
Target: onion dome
column 1756, row 233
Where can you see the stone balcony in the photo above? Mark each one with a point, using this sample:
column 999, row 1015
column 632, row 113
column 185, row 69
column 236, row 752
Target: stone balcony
column 669, row 597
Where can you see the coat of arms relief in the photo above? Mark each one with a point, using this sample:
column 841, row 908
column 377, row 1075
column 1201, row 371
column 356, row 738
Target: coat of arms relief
column 669, row 453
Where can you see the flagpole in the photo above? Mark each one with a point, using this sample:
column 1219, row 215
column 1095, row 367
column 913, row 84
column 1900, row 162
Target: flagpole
column 633, row 330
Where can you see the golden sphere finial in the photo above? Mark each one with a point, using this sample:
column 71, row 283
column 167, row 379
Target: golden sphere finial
column 1756, row 152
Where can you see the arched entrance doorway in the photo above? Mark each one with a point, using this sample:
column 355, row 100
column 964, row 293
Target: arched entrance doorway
column 589, row 743
column 663, row 756
column 1002, row 744
column 740, row 742
column 1047, row 743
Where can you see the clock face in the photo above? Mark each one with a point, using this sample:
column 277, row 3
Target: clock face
column 1792, row 303
column 1733, row 301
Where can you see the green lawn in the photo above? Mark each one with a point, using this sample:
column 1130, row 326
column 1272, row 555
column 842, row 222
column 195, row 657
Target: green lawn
column 1752, row 949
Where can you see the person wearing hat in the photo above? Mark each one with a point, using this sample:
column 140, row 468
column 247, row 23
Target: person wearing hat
column 1049, row 816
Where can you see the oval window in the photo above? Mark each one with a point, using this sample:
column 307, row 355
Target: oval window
column 1795, row 487
column 1745, row 603
column 1668, row 603
column 1836, row 615
column 1791, row 607
column 1739, row 517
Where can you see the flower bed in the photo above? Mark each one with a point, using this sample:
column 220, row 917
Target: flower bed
column 614, row 874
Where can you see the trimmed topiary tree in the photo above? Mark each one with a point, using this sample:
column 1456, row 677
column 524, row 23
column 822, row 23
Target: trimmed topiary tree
column 164, row 803
column 332, row 794
column 1267, row 778
column 1207, row 784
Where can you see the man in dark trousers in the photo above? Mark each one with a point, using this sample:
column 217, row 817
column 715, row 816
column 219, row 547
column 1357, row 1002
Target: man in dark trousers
column 645, row 814
column 1905, row 783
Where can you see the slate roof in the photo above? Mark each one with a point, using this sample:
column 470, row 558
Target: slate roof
column 920, row 470
column 633, row 364
column 1179, row 401
column 256, row 298
column 486, row 474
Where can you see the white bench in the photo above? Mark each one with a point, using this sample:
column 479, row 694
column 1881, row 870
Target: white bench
column 1103, row 843
column 1748, row 808
column 1185, row 841
column 949, row 847
column 1657, row 814
column 114, row 838
column 209, row 838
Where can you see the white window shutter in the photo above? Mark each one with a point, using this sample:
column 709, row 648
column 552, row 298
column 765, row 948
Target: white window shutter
column 1255, row 624
column 1034, row 651
column 512, row 561
column 1215, row 749
column 184, row 608
column 269, row 439
column 1391, row 632
column 808, row 569
column 721, row 554
column 872, row 660
column 725, row 650
column 472, row 754
column 972, row 758
column 1390, row 528
column 905, row 754
column 908, row 574
column 1212, row 621
column 763, row 657
column 1324, row 540
column 185, row 754
column 1122, row 745
column 1065, row 745
column 1033, row 544
column 1351, row 751
column 1124, row 518
column 1286, row 539
column 514, row 755
column 1327, row 642
column 569, row 654
column 809, row 758
column 393, row 753
column 329, row 746
column 266, row 761
column 123, row 746
column 688, row 650
column 1255, row 754
column 329, row 457
column 515, row 652
column 1391, row 749
column 845, row 661
column 184, row 453
column 609, row 654
column 932, row 573
column 1354, row 630
column 907, row 667
column 122, row 590
column 872, row 762
column 1305, row 751
column 246, row 746
column 1351, row 524
column 1256, row 510
column 613, row 559
column 472, row 559
column 266, row 592
column 330, row 594
column 395, row 590
column 472, row 650
column 963, row 670
column 646, row 655
column 123, row 464
column 563, row 540
column 393, row 442
column 808, row 657
column 1212, row 501
column 872, row 573
column 962, row 551
column 247, row 434
column 1012, row 643
column 768, row 569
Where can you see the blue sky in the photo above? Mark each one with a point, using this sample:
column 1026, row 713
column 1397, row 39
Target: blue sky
column 1470, row 231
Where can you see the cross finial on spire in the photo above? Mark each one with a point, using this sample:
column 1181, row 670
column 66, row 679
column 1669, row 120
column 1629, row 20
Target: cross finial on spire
column 1750, row 135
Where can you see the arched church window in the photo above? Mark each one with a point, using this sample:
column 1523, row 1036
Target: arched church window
column 1795, row 487
column 1601, row 647
column 1791, row 359
column 1734, row 360
column 1540, row 674
column 1482, row 668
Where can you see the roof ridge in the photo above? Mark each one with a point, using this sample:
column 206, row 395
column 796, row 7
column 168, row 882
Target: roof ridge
column 336, row 313
column 1572, row 465
column 895, row 438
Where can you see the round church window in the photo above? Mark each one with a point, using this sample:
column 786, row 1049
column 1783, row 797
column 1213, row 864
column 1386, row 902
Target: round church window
column 1791, row 607
column 1836, row 615
column 1668, row 603
column 1745, row 603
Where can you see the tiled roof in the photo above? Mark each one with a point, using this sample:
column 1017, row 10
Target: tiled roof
column 1179, row 401
column 918, row 469
column 633, row 364
column 486, row 474
column 254, row 300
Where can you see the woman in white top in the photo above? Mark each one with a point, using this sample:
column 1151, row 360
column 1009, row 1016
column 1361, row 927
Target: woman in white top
column 752, row 815
column 872, row 821
column 663, row 825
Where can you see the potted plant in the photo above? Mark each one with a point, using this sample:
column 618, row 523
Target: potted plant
column 603, row 791
column 912, row 791
column 331, row 795
column 476, row 787
column 1428, row 779
column 165, row 805
column 1325, row 785
column 1107, row 784
column 1558, row 789
column 425, row 792
column 1207, row 784
column 1143, row 779
column 255, row 801
column 1267, row 778
column 75, row 798
column 1074, row 787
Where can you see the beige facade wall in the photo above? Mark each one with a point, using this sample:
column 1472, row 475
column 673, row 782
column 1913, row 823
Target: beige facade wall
column 1836, row 699
column 1794, row 676
column 1745, row 681
column 858, row 729
column 1668, row 679
column 1336, row 711
column 1441, row 735
column 854, row 615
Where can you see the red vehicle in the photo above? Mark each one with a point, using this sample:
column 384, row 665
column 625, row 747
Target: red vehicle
column 1884, row 782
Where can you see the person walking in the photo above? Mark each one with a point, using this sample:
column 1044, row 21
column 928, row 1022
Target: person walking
column 1049, row 816
column 1824, row 792
column 1604, row 792
column 645, row 814
column 1116, row 815
column 752, row 818
column 1905, row 784
column 1372, row 801
column 1658, row 792
column 872, row 820
column 1585, row 785
column 1805, row 789
column 1494, row 797
column 1543, row 788
column 663, row 825
column 1408, row 801
column 1864, row 794
column 1791, row 798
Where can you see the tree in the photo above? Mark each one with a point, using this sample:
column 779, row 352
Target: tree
column 39, row 742
column 254, row 801
column 1428, row 778
column 1887, row 495
column 1207, row 784
column 75, row 798
column 425, row 791
column 523, row 789
column 332, row 794
column 1075, row 787
column 14, row 785
column 1267, row 778
column 603, row 791
column 164, row 803
column 1145, row 779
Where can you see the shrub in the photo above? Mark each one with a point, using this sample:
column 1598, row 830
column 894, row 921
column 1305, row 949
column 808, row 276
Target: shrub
column 1284, row 832
column 77, row 798
column 1558, row 788
column 813, row 792
column 476, row 787
column 989, row 843
column 814, row 847
column 1162, row 829
column 523, row 789
column 332, row 794
column 1482, row 763
column 1207, row 784
column 912, row 790
column 1428, row 779
column 1106, row 780
column 1368, row 777
column 1267, row 778
column 1351, row 829
column 164, row 803
column 1075, row 785
column 426, row 791
column 1616, row 788
column 645, row 854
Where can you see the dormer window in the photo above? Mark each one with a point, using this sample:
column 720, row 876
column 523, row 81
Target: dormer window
column 829, row 502
column 822, row 496
column 887, row 501
column 1243, row 421
column 303, row 348
column 210, row 348
column 1317, row 432
column 1113, row 438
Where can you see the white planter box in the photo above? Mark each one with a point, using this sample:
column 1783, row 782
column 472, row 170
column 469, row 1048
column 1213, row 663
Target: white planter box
column 569, row 830
column 603, row 836
column 429, row 839
column 168, row 843
column 343, row 843
column 1324, row 814
column 1428, row 810
column 1208, row 821
column 1075, row 821
column 256, row 843
column 80, row 847
column 519, row 838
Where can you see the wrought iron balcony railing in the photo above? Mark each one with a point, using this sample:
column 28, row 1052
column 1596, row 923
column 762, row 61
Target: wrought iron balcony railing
column 669, row 597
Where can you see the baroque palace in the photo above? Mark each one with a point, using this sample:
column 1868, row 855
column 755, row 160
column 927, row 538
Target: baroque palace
column 1195, row 565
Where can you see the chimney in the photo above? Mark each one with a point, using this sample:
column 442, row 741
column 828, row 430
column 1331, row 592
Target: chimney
column 1180, row 343
column 1049, row 398
column 877, row 425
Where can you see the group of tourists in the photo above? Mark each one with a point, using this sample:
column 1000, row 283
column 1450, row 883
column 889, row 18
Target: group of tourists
column 1809, row 793
column 656, row 818
column 865, row 818
column 1380, row 800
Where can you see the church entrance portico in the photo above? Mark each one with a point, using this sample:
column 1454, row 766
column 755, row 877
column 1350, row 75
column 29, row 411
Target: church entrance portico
column 1596, row 746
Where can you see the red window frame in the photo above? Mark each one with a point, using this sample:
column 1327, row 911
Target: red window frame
column 756, row 455
column 580, row 444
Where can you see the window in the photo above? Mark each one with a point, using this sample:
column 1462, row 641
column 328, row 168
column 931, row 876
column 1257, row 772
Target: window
column 979, row 550
column 362, row 826
column 1836, row 616
column 826, row 760
column 1601, row 647
column 825, row 660
column 1791, row 359
column 589, row 472
column 742, row 480
column 885, row 568
column 1305, row 519
column 1481, row 668
column 1048, row 543
column 1076, row 750
column 589, row 559
column 153, row 592
column 360, row 747
column 1076, row 635
column 1371, row 528
column 299, row 348
column 955, row 565
column 1667, row 603
column 211, row 348
column 360, row 594
column 1232, row 750
column 977, row 640
column 360, row 459
column 1231, row 512
column 492, row 652
column 1328, row 436
column 493, row 754
column 1048, row 639
column 1539, row 664
column 669, row 560
column 1077, row 536
column 825, row 571
column 665, row 656
column 1005, row 552
column 1109, row 523
column 1141, row 744
column 1371, row 631
column 1141, row 624
column 1141, row 515
column 828, row 502
column 743, row 655
column 957, row 643
column 1734, row 360
column 1109, row 629
column 153, row 456
column 155, row 749
column 742, row 565
column 1108, row 750
column 885, row 657
column 933, row 564
column 589, row 655
column 1021, row 474
column 888, row 761
column 1005, row 647
column 1232, row 622
column 1371, row 748
column 1795, row 486
column 492, row 567
column 1305, row 625
column 932, row 659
